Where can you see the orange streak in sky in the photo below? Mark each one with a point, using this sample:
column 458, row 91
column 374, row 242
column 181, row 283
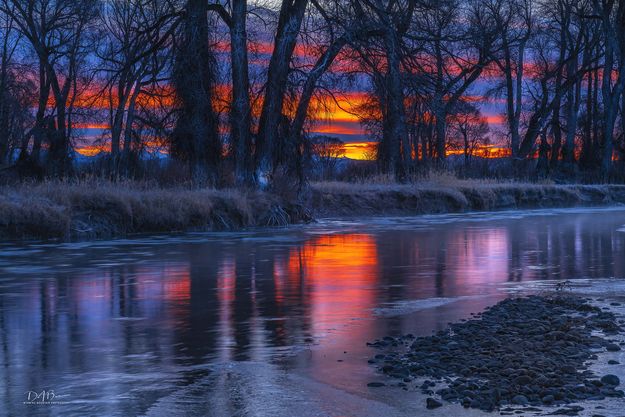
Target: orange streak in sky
column 336, row 129
column 495, row 119
column 360, row 151
column 91, row 150
column 101, row 126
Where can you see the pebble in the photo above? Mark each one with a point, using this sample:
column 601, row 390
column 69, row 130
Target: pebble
column 431, row 403
column 529, row 351
column 611, row 380
column 520, row 400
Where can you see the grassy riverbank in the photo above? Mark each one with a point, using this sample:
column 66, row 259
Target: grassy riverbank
column 449, row 195
column 95, row 210
column 90, row 210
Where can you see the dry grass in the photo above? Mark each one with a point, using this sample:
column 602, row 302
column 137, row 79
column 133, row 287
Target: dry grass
column 444, row 193
column 95, row 209
column 433, row 178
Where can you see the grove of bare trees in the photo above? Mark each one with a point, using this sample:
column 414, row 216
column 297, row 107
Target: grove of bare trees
column 229, row 89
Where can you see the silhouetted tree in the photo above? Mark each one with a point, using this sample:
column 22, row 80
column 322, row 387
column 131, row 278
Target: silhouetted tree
column 57, row 32
column 196, row 138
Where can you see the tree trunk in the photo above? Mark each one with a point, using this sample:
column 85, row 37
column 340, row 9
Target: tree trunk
column 519, row 96
column 572, row 108
column 58, row 161
column 556, row 131
column 441, row 132
column 396, row 112
column 124, row 163
column 4, row 111
column 556, row 126
column 289, row 24
column 595, row 119
column 438, row 106
column 586, row 158
column 240, row 116
column 40, row 127
column 542, row 167
column 510, row 96
column 195, row 137
column 611, row 95
column 118, row 121
column 514, row 92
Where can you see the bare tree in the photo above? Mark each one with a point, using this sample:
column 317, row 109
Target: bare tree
column 469, row 129
column 135, row 54
column 552, row 76
column 612, row 16
column 57, row 32
column 459, row 48
column 328, row 151
column 15, row 91
column 514, row 23
column 381, row 54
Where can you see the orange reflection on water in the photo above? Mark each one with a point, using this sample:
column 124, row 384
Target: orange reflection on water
column 341, row 272
column 177, row 284
column 171, row 282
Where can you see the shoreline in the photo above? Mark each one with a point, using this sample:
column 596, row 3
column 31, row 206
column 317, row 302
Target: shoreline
column 497, row 360
column 88, row 211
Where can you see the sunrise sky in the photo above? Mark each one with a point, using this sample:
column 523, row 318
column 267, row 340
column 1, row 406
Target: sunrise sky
column 334, row 117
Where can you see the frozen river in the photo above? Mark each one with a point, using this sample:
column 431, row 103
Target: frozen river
column 273, row 322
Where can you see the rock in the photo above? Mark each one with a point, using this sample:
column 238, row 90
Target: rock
column 431, row 403
column 520, row 400
column 475, row 403
column 613, row 347
column 569, row 411
column 611, row 380
column 522, row 380
column 548, row 399
column 376, row 384
column 613, row 362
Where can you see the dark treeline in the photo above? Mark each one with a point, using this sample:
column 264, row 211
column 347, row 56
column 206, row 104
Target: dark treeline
column 229, row 87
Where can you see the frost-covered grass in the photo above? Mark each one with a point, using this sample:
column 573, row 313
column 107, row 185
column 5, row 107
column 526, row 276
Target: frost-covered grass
column 443, row 194
column 101, row 209
column 95, row 208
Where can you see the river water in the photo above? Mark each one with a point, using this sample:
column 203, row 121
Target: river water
column 271, row 322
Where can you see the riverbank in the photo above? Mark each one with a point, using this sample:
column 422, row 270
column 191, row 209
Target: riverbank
column 343, row 199
column 94, row 210
column 102, row 210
